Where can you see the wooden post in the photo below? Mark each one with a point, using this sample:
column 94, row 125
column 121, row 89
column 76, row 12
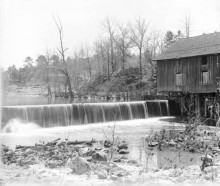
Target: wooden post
column 205, row 109
column 197, row 103
column 181, row 103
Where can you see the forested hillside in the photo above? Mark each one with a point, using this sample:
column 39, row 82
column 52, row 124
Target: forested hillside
column 119, row 61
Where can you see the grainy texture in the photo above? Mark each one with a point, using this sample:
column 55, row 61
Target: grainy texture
column 194, row 46
column 191, row 69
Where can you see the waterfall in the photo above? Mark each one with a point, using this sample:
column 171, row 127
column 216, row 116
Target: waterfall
column 83, row 113
column 158, row 108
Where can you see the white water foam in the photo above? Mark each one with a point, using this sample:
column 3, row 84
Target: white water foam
column 17, row 126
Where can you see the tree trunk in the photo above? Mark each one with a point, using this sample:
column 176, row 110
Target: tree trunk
column 112, row 64
column 89, row 68
column 62, row 53
column 108, row 67
column 140, row 63
column 71, row 95
column 123, row 61
column 49, row 93
column 112, row 53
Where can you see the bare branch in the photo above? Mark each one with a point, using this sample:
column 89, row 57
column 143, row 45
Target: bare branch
column 62, row 53
column 187, row 25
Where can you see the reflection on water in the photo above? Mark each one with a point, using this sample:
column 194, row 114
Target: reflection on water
column 36, row 100
column 44, row 100
column 161, row 159
column 172, row 159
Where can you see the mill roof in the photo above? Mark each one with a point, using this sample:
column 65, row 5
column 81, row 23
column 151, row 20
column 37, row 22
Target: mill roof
column 193, row 46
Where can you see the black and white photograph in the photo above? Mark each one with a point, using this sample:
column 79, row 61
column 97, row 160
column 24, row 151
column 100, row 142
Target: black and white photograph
column 109, row 92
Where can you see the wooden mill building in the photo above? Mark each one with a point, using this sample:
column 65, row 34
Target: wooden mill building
column 190, row 71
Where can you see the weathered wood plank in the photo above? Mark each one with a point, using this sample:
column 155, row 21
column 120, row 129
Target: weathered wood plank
column 191, row 75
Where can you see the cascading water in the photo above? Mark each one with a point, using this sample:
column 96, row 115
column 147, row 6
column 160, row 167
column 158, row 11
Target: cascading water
column 157, row 108
column 73, row 114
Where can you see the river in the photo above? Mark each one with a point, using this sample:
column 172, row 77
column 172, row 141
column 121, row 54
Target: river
column 132, row 131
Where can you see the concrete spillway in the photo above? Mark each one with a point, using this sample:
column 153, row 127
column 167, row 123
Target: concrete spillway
column 83, row 113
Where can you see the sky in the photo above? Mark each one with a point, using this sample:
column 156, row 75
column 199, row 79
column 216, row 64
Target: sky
column 27, row 27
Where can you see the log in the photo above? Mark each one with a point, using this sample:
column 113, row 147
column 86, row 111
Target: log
column 80, row 142
column 22, row 147
column 54, row 142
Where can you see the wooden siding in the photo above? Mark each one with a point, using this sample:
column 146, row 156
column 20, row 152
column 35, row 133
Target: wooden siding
column 191, row 69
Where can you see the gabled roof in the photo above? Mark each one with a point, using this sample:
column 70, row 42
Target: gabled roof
column 192, row 46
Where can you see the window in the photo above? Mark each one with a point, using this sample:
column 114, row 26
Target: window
column 204, row 60
column 205, row 79
column 204, row 70
column 179, row 79
column 178, row 73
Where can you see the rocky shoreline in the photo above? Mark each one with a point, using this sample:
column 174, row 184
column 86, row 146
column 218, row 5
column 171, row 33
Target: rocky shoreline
column 63, row 162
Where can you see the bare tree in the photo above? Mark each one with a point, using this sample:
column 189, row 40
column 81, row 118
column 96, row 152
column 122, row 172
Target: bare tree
column 85, row 52
column 187, row 25
column 76, row 69
column 98, row 56
column 62, row 51
column 102, row 49
column 49, row 93
column 155, row 47
column 107, row 51
column 151, row 50
column 123, row 42
column 139, row 38
column 42, row 70
column 110, row 26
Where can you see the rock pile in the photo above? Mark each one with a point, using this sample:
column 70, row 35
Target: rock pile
column 80, row 156
column 188, row 141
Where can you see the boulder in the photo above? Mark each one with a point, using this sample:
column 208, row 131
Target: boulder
column 180, row 139
column 54, row 163
column 99, row 156
column 104, row 166
column 172, row 143
column 26, row 162
column 107, row 144
column 119, row 172
column 98, row 148
column 123, row 151
column 114, row 177
column 211, row 133
column 123, row 145
column 28, row 152
column 132, row 162
column 90, row 152
column 208, row 158
column 79, row 165
column 116, row 160
column 191, row 149
column 84, row 151
column 102, row 174
column 153, row 144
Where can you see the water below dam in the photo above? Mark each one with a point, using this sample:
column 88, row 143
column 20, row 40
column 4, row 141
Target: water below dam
column 132, row 131
column 134, row 121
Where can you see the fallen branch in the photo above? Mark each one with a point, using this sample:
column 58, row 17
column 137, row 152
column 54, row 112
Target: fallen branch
column 81, row 142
